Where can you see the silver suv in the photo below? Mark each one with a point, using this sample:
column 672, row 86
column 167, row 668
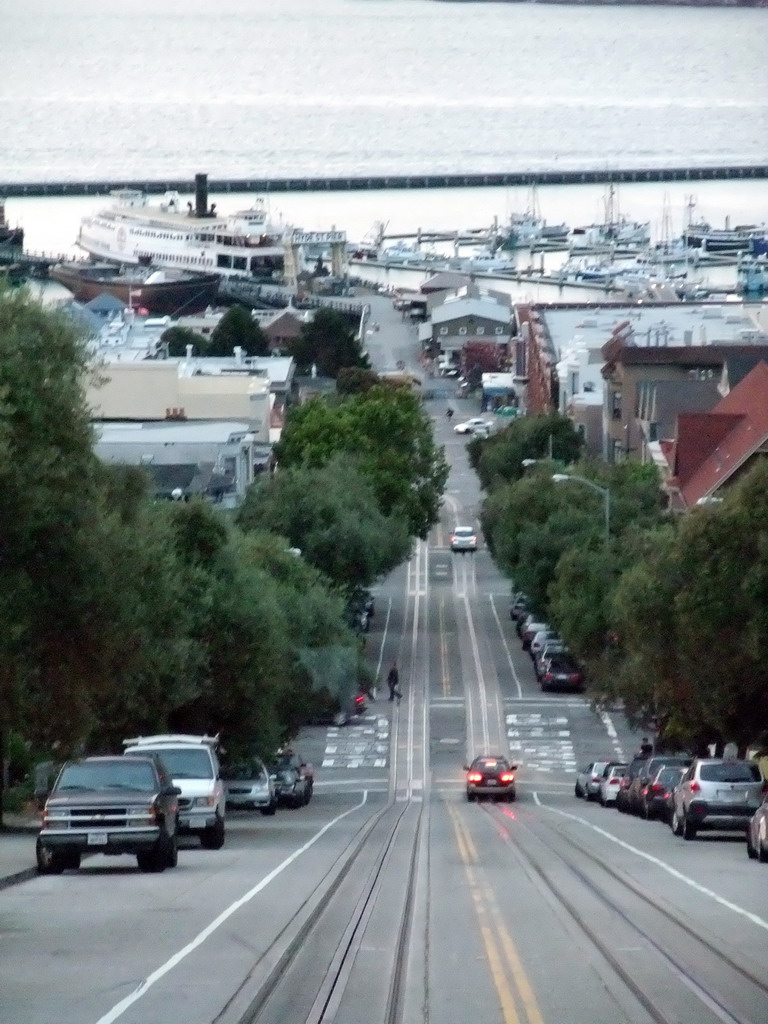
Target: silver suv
column 716, row 793
column 193, row 763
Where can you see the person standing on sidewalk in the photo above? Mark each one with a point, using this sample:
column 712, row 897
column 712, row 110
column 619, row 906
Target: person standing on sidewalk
column 393, row 681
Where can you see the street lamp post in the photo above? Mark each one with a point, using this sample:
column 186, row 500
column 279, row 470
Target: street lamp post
column 560, row 478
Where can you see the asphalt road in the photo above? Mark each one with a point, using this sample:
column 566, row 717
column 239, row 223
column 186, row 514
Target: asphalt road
column 390, row 899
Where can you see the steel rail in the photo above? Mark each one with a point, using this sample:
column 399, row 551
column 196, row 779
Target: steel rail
column 710, row 998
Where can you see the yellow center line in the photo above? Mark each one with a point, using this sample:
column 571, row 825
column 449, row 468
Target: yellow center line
column 487, row 909
column 444, row 651
column 503, row 991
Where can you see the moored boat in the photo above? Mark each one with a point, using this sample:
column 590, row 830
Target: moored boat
column 161, row 291
column 742, row 238
column 10, row 238
column 192, row 237
column 614, row 231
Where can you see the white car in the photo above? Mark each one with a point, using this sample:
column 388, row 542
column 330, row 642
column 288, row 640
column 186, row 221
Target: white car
column 476, row 425
column 464, row 538
column 195, row 769
column 610, row 782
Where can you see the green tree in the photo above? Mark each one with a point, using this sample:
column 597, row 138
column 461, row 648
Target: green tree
column 500, row 457
column 328, row 342
column 178, row 338
column 47, row 506
column 332, row 516
column 391, row 438
column 237, row 328
column 353, row 379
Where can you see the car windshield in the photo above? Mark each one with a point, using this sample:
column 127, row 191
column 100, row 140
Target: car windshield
column 188, row 762
column 733, row 771
column 669, row 775
column 98, row 775
column 616, row 773
column 243, row 771
column 463, row 531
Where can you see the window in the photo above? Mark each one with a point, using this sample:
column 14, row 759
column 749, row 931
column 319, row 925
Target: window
column 616, row 407
column 499, row 330
column 443, row 330
column 462, row 330
column 480, row 330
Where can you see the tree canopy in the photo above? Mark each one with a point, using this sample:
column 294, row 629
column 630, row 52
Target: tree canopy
column 237, row 328
column 390, row 438
column 329, row 343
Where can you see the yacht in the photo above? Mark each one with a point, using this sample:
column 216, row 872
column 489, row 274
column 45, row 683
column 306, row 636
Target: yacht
column 529, row 228
column 171, row 234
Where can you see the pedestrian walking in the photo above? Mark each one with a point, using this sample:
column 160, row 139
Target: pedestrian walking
column 393, row 682
column 646, row 747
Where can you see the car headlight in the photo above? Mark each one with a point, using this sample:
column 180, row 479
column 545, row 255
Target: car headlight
column 204, row 801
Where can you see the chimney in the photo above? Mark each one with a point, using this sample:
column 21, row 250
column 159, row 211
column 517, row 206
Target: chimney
column 201, row 195
column 238, row 350
column 687, row 338
column 190, row 350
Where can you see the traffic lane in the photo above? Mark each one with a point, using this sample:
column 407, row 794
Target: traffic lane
column 467, row 974
column 102, row 931
column 501, row 948
column 616, row 938
column 710, row 880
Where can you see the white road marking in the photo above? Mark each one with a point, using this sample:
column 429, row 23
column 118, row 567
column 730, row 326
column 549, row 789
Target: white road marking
column 506, row 650
column 119, row 1009
column 610, row 728
column 721, row 900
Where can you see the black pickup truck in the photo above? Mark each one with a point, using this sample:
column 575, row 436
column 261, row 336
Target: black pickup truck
column 111, row 805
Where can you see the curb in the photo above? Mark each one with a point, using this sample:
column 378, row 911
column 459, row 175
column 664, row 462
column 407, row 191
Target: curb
column 17, row 878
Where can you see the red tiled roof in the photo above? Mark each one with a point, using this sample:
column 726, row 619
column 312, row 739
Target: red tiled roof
column 712, row 446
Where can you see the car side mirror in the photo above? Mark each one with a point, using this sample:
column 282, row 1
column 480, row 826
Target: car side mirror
column 513, row 767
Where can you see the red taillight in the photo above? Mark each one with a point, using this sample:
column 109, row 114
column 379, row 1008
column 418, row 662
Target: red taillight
column 624, row 783
column 474, row 777
column 548, row 675
column 360, row 699
column 595, row 778
column 575, row 678
column 507, row 777
column 645, row 791
column 613, row 782
column 656, row 788
column 695, row 787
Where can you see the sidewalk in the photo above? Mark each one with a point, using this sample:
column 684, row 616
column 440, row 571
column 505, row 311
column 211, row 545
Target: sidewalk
column 17, row 849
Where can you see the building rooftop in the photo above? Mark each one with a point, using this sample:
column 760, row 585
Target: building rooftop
column 171, row 432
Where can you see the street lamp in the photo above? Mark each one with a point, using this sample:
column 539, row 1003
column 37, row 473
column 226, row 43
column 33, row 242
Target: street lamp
column 560, row 478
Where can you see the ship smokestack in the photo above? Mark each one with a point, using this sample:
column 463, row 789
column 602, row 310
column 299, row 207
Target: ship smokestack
column 201, row 195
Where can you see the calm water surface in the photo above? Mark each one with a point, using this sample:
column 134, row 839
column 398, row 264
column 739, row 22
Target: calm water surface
column 104, row 88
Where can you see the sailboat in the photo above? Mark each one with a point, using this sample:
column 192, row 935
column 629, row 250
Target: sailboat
column 614, row 230
column 527, row 229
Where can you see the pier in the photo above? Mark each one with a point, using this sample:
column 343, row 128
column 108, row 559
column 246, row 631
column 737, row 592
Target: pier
column 370, row 183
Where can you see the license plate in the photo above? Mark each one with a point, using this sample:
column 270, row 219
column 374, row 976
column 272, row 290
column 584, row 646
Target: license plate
column 97, row 838
column 731, row 796
column 490, row 782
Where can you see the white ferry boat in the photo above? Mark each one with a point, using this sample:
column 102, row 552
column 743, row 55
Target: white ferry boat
column 184, row 236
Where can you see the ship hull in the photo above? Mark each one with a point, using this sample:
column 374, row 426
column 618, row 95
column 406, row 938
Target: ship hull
column 185, row 293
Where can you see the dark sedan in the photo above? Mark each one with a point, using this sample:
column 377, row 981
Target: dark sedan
column 638, row 788
column 490, row 776
column 655, row 797
column 561, row 672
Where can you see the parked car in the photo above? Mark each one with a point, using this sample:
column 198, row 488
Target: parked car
column 471, row 426
column 610, row 782
column 491, row 776
column 637, row 792
column 665, row 813
column 546, row 652
column 589, row 778
column 757, row 833
column 656, row 796
column 110, row 805
column 561, row 672
column 633, row 770
column 717, row 793
column 292, row 788
column 523, row 620
column 464, row 538
column 289, row 756
column 195, row 768
column 539, row 639
column 518, row 606
column 530, row 631
column 248, row 784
